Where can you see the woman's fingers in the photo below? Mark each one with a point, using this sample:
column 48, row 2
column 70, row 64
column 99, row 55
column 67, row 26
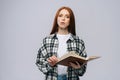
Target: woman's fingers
column 75, row 65
column 49, row 60
column 55, row 58
column 52, row 60
column 72, row 64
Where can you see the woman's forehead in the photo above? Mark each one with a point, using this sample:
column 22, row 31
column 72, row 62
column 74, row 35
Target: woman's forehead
column 64, row 11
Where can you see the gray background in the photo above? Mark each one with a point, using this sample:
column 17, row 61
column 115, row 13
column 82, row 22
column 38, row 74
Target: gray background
column 24, row 23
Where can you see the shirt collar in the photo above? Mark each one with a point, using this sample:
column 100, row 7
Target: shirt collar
column 72, row 37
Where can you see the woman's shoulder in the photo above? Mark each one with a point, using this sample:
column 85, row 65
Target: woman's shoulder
column 49, row 36
column 77, row 38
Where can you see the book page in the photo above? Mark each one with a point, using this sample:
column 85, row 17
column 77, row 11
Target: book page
column 73, row 57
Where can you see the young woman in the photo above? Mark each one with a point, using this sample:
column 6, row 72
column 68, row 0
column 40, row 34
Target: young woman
column 61, row 40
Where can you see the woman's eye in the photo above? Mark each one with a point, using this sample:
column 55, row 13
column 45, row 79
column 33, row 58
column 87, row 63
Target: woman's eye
column 67, row 16
column 60, row 15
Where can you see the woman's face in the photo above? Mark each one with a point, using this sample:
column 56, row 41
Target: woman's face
column 63, row 19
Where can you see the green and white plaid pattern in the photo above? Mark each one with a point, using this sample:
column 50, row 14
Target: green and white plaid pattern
column 49, row 47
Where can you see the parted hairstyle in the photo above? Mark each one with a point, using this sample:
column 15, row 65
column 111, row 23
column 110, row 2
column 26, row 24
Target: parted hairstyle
column 71, row 27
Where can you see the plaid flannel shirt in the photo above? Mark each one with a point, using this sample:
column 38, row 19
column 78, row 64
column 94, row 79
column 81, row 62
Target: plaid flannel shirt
column 50, row 47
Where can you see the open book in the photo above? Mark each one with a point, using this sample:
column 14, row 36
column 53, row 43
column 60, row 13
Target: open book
column 73, row 57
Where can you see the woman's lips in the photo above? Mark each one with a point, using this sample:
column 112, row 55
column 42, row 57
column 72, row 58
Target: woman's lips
column 62, row 23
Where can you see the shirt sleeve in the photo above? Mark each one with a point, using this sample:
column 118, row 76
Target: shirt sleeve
column 82, row 52
column 41, row 60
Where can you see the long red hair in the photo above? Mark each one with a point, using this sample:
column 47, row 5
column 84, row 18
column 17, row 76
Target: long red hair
column 71, row 27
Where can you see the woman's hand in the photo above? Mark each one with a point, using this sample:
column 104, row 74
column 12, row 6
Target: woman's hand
column 75, row 65
column 52, row 60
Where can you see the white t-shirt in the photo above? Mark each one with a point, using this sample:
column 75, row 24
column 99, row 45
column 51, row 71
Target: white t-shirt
column 62, row 49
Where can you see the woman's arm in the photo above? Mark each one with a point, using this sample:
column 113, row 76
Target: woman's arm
column 80, row 71
column 41, row 60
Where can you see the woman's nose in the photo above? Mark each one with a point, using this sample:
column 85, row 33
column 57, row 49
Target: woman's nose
column 63, row 18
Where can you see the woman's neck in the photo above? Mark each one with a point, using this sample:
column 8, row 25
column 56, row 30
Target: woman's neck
column 63, row 31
